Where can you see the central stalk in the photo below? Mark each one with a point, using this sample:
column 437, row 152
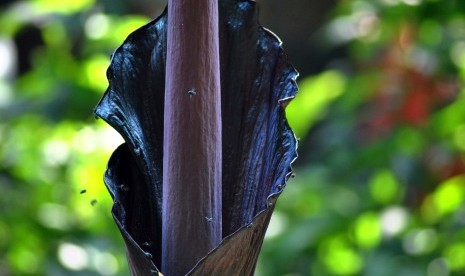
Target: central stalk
column 191, row 224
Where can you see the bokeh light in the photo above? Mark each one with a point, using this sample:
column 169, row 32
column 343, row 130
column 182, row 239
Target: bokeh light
column 380, row 182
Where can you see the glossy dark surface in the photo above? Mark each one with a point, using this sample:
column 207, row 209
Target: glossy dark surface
column 258, row 146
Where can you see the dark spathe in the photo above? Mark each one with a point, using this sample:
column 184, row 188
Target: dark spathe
column 258, row 146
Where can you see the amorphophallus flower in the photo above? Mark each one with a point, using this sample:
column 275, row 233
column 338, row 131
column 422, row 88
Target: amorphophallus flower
column 195, row 183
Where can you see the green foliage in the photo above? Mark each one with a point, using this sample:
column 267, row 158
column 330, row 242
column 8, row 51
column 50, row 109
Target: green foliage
column 310, row 107
column 379, row 187
column 54, row 209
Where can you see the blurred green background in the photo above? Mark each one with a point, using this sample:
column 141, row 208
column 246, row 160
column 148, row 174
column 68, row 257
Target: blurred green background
column 380, row 183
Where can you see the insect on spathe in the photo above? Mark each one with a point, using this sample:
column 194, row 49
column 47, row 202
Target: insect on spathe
column 191, row 92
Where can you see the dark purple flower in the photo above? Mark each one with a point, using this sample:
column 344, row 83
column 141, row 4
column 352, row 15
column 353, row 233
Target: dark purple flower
column 257, row 82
